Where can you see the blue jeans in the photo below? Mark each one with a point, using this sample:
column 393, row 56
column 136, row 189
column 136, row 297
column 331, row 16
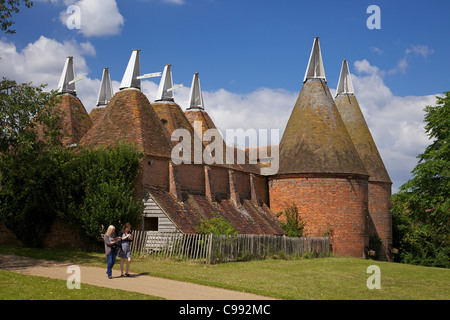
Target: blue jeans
column 111, row 260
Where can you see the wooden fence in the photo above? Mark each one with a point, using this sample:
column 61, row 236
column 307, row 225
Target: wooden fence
column 221, row 248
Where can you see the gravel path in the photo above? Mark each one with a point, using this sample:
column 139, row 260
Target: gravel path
column 159, row 287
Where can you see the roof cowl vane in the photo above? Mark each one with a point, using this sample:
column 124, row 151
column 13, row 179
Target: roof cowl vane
column 67, row 81
column 195, row 96
column 345, row 85
column 130, row 78
column 315, row 69
column 106, row 91
column 166, row 87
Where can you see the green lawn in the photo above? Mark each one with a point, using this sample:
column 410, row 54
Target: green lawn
column 16, row 286
column 323, row 278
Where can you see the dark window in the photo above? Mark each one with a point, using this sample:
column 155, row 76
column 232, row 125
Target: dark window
column 150, row 224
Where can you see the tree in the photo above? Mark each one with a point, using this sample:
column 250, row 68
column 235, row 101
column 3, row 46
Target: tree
column 421, row 208
column 28, row 162
column 24, row 107
column 293, row 224
column 102, row 183
column 7, row 8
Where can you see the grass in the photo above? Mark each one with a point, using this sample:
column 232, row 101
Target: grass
column 16, row 286
column 324, row 278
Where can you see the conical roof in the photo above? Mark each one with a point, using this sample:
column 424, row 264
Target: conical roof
column 353, row 118
column 129, row 116
column 75, row 119
column 172, row 117
column 96, row 114
column 201, row 117
column 315, row 139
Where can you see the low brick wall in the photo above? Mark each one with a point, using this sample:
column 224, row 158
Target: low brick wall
column 61, row 236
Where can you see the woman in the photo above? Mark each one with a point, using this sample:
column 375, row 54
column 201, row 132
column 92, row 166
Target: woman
column 125, row 251
column 110, row 248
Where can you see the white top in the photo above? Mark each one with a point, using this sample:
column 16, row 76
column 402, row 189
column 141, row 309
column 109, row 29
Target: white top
column 315, row 69
column 195, row 96
column 66, row 83
column 345, row 85
column 165, row 89
column 130, row 78
column 106, row 92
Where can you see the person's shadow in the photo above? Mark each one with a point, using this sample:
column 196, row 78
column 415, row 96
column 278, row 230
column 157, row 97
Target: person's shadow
column 133, row 275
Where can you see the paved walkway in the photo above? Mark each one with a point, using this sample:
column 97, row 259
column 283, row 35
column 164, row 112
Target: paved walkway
column 159, row 287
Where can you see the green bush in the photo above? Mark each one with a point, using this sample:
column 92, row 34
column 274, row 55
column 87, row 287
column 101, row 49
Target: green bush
column 90, row 189
column 294, row 225
column 216, row 225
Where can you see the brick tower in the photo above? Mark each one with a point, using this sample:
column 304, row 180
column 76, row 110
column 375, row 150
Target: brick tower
column 320, row 170
column 380, row 222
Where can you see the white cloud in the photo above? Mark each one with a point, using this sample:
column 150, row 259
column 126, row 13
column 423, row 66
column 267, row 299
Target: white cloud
column 396, row 123
column 377, row 50
column 98, row 18
column 402, row 64
column 42, row 61
column 179, row 2
column 422, row 50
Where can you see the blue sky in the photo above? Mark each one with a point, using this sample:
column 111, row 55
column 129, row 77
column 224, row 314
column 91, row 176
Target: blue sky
column 242, row 45
column 252, row 56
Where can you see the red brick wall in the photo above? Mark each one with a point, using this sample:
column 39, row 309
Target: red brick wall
column 61, row 236
column 243, row 184
column 219, row 180
column 64, row 236
column 380, row 215
column 339, row 204
column 7, row 237
column 157, row 173
column 262, row 188
column 191, row 177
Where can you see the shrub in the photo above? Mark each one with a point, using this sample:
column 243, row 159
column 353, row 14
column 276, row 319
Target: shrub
column 216, row 225
column 294, row 225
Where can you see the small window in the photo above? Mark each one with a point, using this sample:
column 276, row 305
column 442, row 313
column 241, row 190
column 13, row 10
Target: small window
column 150, row 224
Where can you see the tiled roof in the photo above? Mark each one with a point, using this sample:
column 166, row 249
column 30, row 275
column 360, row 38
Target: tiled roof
column 75, row 119
column 359, row 132
column 96, row 114
column 129, row 116
column 207, row 123
column 188, row 214
column 315, row 139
